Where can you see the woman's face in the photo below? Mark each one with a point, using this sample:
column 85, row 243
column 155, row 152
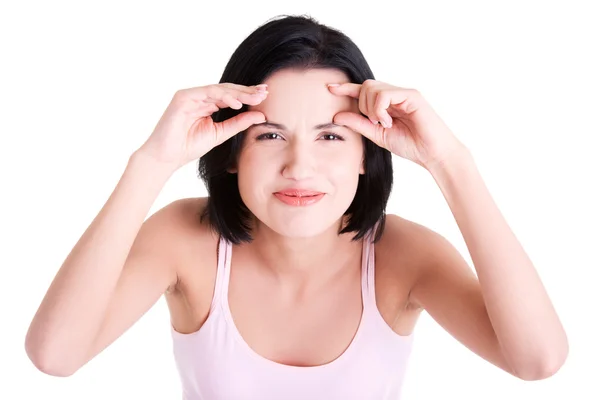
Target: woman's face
column 300, row 155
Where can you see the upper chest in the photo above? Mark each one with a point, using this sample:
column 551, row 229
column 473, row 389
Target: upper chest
column 260, row 307
column 312, row 331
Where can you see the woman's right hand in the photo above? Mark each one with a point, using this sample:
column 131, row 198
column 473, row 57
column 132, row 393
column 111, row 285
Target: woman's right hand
column 186, row 131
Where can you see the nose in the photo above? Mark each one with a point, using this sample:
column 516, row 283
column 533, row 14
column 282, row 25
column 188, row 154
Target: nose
column 299, row 162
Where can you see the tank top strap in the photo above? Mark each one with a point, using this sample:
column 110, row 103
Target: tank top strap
column 368, row 268
column 223, row 272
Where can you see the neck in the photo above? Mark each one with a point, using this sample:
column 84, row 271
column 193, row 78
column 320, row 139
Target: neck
column 303, row 260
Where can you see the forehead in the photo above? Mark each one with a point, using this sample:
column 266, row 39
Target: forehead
column 304, row 93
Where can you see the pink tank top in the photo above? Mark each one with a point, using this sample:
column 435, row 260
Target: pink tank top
column 215, row 363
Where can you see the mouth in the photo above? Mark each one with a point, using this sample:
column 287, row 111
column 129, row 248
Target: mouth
column 299, row 198
column 299, row 193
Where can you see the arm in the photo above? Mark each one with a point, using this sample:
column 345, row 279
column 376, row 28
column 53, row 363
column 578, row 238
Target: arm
column 505, row 315
column 104, row 284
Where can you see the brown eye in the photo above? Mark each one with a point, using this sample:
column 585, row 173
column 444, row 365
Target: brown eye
column 267, row 136
column 332, row 136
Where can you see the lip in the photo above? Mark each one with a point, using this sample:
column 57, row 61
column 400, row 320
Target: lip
column 299, row 197
column 299, row 192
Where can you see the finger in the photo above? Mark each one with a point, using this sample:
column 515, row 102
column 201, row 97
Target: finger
column 381, row 104
column 215, row 92
column 371, row 97
column 346, row 89
column 252, row 98
column 234, row 125
column 210, row 108
column 234, row 99
column 239, row 88
column 406, row 100
column 231, row 101
column 361, row 125
column 364, row 107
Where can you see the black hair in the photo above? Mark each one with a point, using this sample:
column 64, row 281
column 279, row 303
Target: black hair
column 297, row 42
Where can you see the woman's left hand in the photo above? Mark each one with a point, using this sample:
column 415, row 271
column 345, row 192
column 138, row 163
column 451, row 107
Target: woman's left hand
column 409, row 127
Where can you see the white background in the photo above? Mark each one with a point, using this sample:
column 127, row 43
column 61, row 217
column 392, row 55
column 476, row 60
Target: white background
column 83, row 85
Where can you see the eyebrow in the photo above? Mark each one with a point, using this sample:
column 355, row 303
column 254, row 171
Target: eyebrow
column 327, row 125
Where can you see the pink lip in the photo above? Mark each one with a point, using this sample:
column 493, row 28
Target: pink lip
column 297, row 197
column 299, row 192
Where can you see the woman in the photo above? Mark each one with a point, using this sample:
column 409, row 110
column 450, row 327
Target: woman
column 289, row 281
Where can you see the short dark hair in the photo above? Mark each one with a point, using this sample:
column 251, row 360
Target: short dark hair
column 297, row 42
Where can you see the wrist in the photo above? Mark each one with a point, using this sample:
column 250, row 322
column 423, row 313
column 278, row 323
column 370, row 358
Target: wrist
column 459, row 154
column 141, row 161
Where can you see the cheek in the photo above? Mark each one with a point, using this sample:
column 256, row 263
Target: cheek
column 343, row 175
column 343, row 169
column 253, row 162
column 348, row 158
column 254, row 173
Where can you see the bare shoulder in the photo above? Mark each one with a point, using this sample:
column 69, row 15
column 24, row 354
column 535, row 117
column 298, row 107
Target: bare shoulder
column 404, row 240
column 403, row 252
column 189, row 237
column 431, row 254
column 195, row 245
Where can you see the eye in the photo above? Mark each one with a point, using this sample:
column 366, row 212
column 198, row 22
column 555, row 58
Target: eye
column 273, row 135
column 267, row 136
column 332, row 136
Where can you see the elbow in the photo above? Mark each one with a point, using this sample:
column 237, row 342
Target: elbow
column 544, row 370
column 49, row 365
column 539, row 374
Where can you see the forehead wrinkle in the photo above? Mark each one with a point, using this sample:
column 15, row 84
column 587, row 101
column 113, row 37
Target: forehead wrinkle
column 274, row 125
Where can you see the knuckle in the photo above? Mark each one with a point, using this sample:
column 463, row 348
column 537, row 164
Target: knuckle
column 227, row 89
column 180, row 94
column 213, row 91
column 180, row 98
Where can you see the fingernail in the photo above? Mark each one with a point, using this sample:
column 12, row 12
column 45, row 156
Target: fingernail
column 261, row 87
column 333, row 84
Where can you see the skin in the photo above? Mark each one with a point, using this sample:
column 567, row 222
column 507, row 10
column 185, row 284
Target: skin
column 297, row 286
column 297, row 262
column 294, row 243
column 262, row 299
column 294, row 292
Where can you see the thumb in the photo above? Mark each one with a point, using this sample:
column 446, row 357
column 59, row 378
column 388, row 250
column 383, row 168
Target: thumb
column 232, row 126
column 358, row 123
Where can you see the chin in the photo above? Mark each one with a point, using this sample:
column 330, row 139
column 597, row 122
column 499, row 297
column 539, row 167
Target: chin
column 298, row 223
column 299, row 230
